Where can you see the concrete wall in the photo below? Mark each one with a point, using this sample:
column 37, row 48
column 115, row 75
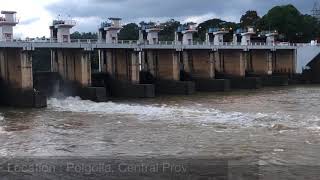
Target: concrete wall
column 187, row 38
column 245, row 39
column 218, row 61
column 6, row 33
column 260, row 62
column 63, row 31
column 127, row 65
column 271, row 40
column 108, row 61
column 134, row 67
column 234, row 62
column 16, row 79
column 218, row 39
column 123, row 64
column 187, row 60
column 83, row 69
column 73, row 65
column 202, row 64
column 284, row 62
column 16, row 68
column 150, row 60
column 112, row 36
column 152, row 37
column 168, row 65
column 102, row 60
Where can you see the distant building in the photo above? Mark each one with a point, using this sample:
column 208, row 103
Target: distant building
column 60, row 30
column 108, row 31
column 186, row 31
column 7, row 22
column 149, row 32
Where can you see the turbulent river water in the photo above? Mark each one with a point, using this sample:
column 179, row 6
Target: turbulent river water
column 278, row 125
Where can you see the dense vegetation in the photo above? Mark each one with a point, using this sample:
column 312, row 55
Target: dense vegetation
column 292, row 25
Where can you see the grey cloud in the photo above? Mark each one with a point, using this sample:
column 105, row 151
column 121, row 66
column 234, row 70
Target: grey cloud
column 169, row 8
column 131, row 10
column 29, row 21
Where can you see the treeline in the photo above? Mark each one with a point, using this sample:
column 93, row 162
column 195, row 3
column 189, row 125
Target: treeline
column 291, row 24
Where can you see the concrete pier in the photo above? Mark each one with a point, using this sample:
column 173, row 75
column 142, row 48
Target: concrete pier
column 17, row 79
column 168, row 73
column 74, row 69
column 200, row 64
column 168, row 65
column 150, row 59
column 120, row 67
column 260, row 62
column 232, row 65
column 73, row 66
column 218, row 62
column 122, row 74
column 284, row 62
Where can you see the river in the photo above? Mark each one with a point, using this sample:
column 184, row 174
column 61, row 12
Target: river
column 280, row 126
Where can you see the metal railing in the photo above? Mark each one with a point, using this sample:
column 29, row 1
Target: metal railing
column 126, row 42
column 159, row 43
column 65, row 22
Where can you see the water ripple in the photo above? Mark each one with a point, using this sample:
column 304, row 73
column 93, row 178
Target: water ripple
column 184, row 113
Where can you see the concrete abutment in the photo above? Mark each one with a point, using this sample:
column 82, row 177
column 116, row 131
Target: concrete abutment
column 17, row 79
column 249, row 69
column 232, row 64
column 201, row 66
column 121, row 69
column 264, row 64
column 166, row 67
column 73, row 67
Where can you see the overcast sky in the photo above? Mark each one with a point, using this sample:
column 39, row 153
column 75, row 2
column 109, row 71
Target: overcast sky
column 36, row 15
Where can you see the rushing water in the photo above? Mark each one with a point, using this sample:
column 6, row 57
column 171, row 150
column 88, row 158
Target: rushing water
column 279, row 125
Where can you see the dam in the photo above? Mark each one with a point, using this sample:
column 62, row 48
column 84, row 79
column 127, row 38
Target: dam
column 142, row 68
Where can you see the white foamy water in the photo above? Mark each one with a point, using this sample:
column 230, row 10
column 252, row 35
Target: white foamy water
column 75, row 104
column 172, row 113
column 2, row 130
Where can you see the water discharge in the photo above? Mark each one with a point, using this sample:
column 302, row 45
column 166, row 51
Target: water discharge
column 280, row 126
column 181, row 114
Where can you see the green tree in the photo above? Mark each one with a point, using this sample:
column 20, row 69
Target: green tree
column 75, row 35
column 84, row 35
column 287, row 20
column 215, row 23
column 310, row 29
column 251, row 18
column 129, row 32
column 168, row 30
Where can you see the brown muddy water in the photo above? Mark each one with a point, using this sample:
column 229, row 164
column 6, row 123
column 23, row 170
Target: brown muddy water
column 280, row 126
